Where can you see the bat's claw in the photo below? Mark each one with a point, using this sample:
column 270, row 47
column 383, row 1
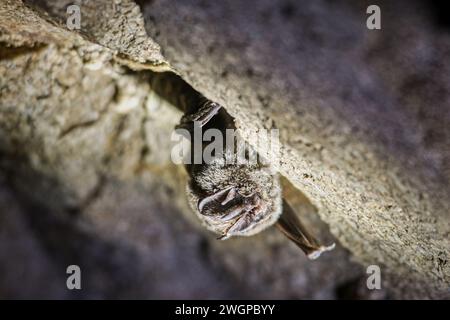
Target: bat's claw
column 203, row 115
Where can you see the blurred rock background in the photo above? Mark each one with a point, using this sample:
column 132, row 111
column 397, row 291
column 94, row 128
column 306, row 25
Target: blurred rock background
column 86, row 176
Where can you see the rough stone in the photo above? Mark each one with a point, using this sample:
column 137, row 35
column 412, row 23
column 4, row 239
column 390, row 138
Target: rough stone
column 85, row 145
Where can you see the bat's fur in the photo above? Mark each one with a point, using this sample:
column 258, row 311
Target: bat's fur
column 231, row 199
column 247, row 179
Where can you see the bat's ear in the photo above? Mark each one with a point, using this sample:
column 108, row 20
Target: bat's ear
column 292, row 228
column 222, row 196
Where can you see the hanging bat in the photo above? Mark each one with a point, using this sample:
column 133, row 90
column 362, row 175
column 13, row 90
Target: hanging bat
column 232, row 199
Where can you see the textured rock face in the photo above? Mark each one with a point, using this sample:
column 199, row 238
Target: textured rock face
column 355, row 139
column 85, row 147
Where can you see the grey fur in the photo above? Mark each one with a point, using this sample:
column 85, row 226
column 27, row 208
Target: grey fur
column 247, row 180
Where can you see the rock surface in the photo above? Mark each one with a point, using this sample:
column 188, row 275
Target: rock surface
column 85, row 147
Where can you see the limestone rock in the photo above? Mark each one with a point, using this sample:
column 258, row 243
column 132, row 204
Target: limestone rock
column 85, row 146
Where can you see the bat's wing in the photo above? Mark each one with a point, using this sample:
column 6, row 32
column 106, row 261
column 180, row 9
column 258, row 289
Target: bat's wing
column 290, row 225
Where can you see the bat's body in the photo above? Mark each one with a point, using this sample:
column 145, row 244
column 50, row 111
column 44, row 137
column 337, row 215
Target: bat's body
column 233, row 199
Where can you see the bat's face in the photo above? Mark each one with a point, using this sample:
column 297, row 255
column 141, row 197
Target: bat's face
column 235, row 201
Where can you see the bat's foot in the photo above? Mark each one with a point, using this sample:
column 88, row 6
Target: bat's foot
column 204, row 114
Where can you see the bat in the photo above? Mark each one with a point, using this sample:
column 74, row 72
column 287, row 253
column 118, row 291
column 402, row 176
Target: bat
column 230, row 198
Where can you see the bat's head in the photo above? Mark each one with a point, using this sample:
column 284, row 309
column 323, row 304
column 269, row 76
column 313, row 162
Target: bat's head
column 244, row 200
column 234, row 200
